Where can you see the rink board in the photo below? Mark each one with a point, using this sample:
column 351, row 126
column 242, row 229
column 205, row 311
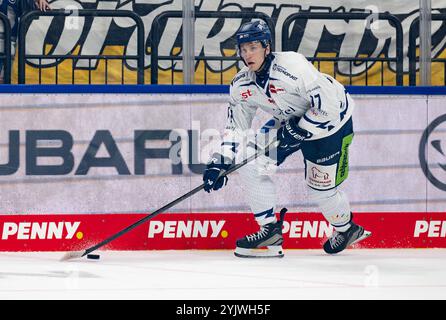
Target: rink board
column 396, row 185
column 175, row 231
column 385, row 175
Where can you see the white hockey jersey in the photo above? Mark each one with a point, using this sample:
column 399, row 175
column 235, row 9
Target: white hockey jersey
column 294, row 88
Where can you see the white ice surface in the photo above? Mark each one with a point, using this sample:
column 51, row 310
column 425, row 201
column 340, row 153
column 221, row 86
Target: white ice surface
column 217, row 275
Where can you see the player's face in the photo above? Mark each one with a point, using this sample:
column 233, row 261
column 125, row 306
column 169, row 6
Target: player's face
column 253, row 53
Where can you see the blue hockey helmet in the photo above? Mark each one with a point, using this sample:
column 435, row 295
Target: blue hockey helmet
column 254, row 31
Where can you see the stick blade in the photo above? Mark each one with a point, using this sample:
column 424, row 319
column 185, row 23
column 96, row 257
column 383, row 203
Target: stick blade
column 73, row 255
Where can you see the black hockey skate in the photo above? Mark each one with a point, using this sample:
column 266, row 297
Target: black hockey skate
column 341, row 240
column 266, row 243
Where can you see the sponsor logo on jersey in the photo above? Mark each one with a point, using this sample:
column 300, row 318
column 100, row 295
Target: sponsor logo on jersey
column 186, row 229
column 40, row 230
column 317, row 89
column 318, row 112
column 281, row 69
column 238, row 77
column 296, row 135
column 274, row 89
column 324, row 159
column 318, row 174
column 246, row 94
column 320, row 177
column 344, row 163
column 430, row 229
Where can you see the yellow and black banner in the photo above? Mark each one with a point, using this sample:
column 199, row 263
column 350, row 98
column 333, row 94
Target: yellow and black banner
column 370, row 39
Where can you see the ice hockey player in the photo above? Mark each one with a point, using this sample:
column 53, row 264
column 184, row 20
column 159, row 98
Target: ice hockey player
column 311, row 112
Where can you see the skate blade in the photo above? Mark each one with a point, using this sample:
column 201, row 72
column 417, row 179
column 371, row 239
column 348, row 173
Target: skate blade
column 366, row 234
column 270, row 252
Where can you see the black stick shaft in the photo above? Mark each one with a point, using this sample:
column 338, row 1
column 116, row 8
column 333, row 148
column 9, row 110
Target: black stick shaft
column 171, row 204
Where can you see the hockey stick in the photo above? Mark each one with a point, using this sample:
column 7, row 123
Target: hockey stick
column 79, row 254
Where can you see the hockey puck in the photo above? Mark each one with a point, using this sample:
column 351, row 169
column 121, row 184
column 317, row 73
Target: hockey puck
column 93, row 256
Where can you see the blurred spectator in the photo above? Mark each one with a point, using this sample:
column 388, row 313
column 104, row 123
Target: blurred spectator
column 42, row 5
column 14, row 9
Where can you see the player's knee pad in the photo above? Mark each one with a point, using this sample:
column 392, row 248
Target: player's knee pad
column 334, row 205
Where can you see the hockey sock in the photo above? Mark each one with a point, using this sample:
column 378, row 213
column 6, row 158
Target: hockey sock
column 260, row 193
column 335, row 207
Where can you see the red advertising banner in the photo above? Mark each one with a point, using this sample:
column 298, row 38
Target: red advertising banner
column 176, row 231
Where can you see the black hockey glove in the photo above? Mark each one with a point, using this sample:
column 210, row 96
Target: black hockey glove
column 214, row 168
column 290, row 138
